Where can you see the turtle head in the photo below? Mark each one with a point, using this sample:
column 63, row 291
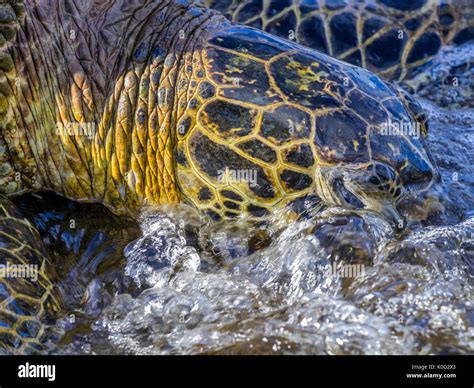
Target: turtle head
column 394, row 163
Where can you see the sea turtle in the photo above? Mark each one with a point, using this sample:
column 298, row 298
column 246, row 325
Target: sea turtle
column 392, row 38
column 29, row 298
column 130, row 103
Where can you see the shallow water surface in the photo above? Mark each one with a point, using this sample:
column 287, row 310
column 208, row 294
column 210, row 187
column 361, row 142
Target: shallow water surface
column 335, row 282
column 414, row 294
column 235, row 288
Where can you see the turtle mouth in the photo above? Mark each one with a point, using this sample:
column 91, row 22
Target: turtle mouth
column 351, row 198
column 347, row 196
column 360, row 188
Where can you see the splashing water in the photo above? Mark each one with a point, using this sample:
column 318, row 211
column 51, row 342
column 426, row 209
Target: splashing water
column 337, row 282
column 411, row 295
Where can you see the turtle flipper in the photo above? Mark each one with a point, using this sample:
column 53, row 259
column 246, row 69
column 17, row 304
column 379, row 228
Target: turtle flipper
column 29, row 300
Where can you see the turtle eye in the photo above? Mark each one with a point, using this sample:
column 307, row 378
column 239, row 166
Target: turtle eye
column 374, row 180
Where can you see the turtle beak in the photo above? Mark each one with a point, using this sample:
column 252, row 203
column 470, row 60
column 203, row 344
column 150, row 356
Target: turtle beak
column 351, row 187
column 393, row 216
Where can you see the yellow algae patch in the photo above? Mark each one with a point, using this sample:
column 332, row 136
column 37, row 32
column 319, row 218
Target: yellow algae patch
column 356, row 145
column 306, row 74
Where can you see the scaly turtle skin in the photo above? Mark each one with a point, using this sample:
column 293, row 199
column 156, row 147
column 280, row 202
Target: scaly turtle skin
column 29, row 299
column 135, row 103
column 307, row 127
column 392, row 38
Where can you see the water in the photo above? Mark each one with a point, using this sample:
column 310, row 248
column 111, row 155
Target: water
column 236, row 288
column 415, row 294
column 177, row 284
